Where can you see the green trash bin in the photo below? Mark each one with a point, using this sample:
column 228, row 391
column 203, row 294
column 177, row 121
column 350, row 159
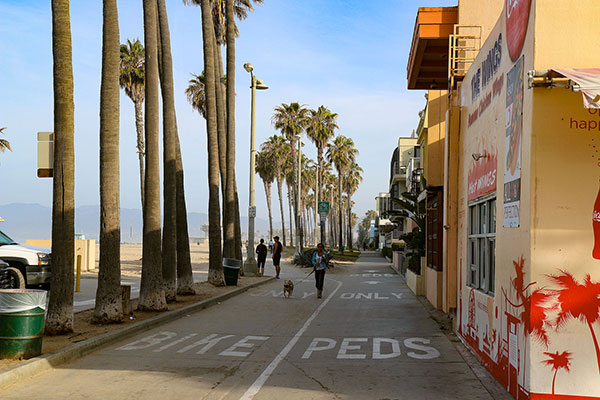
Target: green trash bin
column 21, row 322
column 231, row 270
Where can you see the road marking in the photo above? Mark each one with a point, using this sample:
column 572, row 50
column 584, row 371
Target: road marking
column 242, row 343
column 372, row 282
column 260, row 381
column 345, row 346
column 183, row 339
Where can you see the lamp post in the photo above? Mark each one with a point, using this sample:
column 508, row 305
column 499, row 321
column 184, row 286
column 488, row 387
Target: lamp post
column 255, row 84
column 316, row 205
column 299, row 235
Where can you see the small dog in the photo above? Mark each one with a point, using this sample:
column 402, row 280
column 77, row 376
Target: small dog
column 288, row 288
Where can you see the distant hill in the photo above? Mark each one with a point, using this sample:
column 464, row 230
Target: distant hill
column 34, row 221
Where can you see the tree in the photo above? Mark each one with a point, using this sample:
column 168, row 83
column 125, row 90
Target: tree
column 185, row 278
column 59, row 317
column 353, row 179
column 108, row 307
column 341, row 153
column 169, row 236
column 557, row 361
column 4, row 144
column 131, row 79
column 321, row 128
column 264, row 168
column 196, row 93
column 215, row 268
column 578, row 301
column 152, row 294
column 277, row 151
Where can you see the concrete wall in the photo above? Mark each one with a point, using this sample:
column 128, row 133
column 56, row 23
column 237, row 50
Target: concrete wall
column 433, row 285
column 436, row 132
column 484, row 13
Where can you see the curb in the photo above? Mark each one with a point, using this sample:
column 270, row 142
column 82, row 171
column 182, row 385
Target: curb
column 78, row 350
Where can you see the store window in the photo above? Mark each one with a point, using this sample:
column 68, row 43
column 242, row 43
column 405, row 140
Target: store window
column 482, row 244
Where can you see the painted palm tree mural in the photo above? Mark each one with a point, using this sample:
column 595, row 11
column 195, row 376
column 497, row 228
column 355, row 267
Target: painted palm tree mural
column 557, row 361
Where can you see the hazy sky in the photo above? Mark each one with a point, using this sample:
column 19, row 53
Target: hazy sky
column 349, row 55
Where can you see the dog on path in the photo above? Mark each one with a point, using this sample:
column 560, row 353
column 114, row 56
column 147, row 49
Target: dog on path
column 288, row 288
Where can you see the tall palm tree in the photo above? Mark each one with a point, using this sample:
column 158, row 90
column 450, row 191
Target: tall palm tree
column 292, row 119
column 578, row 301
column 196, row 93
column 108, row 308
column 131, row 79
column 278, row 152
column 321, row 128
column 215, row 268
column 185, row 279
column 557, row 361
column 169, row 237
column 342, row 154
column 4, row 144
column 152, row 294
column 266, row 171
column 353, row 179
column 59, row 317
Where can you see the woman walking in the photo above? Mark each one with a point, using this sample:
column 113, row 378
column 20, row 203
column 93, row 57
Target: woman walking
column 319, row 261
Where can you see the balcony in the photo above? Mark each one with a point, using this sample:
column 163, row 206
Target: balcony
column 428, row 59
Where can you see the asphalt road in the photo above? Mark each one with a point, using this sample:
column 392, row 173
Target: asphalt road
column 368, row 338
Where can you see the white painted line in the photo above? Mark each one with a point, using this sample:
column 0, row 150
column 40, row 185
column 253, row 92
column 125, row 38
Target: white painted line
column 260, row 381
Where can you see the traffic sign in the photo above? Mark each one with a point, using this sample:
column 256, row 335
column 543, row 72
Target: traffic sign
column 252, row 211
column 323, row 207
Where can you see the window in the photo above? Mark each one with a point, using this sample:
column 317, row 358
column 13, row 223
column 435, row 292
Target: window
column 482, row 244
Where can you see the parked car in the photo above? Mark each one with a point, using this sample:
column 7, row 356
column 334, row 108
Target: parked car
column 10, row 278
column 27, row 264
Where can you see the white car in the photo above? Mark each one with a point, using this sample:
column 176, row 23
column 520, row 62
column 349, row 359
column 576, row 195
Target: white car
column 32, row 263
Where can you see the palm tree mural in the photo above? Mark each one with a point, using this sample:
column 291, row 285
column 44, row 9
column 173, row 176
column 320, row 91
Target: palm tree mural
column 557, row 361
column 4, row 144
column 342, row 154
column 580, row 301
column 132, row 78
column 265, row 169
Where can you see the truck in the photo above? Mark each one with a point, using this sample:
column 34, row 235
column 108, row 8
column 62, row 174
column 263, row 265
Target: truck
column 28, row 266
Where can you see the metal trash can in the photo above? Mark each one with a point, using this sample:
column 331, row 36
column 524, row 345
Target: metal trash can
column 21, row 322
column 231, row 270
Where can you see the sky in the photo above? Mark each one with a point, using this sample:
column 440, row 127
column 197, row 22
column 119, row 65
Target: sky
column 349, row 55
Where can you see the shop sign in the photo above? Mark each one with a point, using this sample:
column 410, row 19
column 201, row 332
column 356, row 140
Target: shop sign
column 517, row 18
column 512, row 145
column 482, row 177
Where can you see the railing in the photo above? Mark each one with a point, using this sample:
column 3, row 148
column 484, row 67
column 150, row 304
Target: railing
column 464, row 45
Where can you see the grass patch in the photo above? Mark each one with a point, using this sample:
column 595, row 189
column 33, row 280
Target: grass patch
column 348, row 255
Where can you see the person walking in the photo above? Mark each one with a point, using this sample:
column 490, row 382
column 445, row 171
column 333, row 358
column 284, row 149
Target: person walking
column 277, row 249
column 271, row 246
column 319, row 261
column 261, row 251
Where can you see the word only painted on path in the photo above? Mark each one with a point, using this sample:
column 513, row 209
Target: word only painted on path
column 343, row 296
column 344, row 349
column 374, row 275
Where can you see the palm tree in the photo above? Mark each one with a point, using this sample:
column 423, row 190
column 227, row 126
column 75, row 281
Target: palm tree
column 169, row 237
column 278, row 152
column 59, row 317
column 4, row 144
column 108, row 308
column 264, row 168
column 152, row 294
column 215, row 268
column 353, row 179
column 342, row 154
column 557, row 361
column 321, row 128
column 291, row 119
column 131, row 79
column 578, row 301
column 196, row 93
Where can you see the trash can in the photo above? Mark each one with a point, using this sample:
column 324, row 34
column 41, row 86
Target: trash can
column 21, row 322
column 231, row 270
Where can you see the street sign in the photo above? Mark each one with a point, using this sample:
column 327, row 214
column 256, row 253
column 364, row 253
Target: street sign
column 45, row 154
column 252, row 211
column 324, row 207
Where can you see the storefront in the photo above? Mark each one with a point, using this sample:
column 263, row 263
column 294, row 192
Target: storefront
column 529, row 202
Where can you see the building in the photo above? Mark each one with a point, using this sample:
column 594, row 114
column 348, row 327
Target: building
column 512, row 116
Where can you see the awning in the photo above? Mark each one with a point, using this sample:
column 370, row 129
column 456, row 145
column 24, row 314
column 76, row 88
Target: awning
column 588, row 82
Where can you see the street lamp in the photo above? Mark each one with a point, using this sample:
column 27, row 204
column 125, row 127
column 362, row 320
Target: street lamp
column 255, row 84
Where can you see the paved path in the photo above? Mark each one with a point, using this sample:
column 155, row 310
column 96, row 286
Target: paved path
column 368, row 338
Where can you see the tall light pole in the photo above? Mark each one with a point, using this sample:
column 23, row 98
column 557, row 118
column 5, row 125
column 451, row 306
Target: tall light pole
column 316, row 205
column 255, row 84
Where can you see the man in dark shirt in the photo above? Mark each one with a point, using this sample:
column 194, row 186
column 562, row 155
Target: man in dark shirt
column 261, row 251
column 277, row 249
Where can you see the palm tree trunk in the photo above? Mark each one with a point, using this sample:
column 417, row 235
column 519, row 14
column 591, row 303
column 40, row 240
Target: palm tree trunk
column 341, row 242
column 59, row 318
column 237, row 223
column 139, row 127
column 108, row 307
column 230, row 187
column 554, row 380
column 221, row 134
column 281, row 207
column 595, row 344
column 290, row 212
column 268, row 193
column 152, row 294
column 185, row 279
column 215, row 266
column 169, row 238
column 349, row 224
